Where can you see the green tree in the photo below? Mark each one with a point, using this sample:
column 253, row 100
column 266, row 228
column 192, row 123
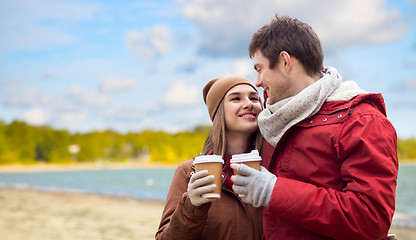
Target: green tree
column 21, row 142
column 406, row 149
column 52, row 145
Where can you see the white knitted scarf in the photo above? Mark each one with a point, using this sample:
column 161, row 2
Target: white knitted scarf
column 277, row 118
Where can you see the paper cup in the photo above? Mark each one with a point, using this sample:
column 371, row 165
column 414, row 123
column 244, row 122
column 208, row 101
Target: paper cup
column 251, row 159
column 214, row 165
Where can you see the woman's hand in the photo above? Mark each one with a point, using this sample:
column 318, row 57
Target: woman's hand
column 198, row 185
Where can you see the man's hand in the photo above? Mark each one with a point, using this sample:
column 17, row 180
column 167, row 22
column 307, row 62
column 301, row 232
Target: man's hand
column 255, row 186
column 198, row 185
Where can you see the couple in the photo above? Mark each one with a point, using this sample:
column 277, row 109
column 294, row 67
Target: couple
column 329, row 153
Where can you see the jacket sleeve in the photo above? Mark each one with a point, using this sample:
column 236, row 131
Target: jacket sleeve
column 180, row 219
column 364, row 207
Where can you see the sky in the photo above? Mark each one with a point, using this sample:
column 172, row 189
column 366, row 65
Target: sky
column 130, row 65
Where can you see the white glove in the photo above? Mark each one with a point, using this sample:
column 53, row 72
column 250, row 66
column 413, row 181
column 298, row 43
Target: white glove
column 255, row 186
column 198, row 185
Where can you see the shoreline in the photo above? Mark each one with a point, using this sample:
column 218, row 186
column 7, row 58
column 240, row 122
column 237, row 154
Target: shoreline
column 100, row 165
column 38, row 214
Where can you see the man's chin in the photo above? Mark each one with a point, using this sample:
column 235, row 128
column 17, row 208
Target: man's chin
column 270, row 101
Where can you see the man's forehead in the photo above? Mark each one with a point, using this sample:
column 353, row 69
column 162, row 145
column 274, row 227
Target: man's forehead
column 258, row 57
column 259, row 61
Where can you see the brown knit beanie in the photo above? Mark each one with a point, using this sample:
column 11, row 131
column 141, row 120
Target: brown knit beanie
column 216, row 89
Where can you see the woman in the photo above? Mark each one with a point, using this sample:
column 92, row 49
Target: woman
column 233, row 104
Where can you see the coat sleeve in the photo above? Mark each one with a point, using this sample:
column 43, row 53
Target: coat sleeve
column 180, row 219
column 364, row 207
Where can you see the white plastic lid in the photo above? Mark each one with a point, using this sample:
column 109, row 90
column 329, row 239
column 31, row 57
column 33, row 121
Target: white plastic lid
column 246, row 157
column 208, row 158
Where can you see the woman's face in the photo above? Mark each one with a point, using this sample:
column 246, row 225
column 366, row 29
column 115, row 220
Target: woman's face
column 241, row 107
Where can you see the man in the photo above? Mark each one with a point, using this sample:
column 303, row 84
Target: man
column 330, row 154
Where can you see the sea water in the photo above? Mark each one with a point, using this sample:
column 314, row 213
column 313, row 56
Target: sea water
column 405, row 214
column 137, row 183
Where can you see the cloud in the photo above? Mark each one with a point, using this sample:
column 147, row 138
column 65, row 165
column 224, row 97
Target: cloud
column 117, row 84
column 58, row 119
column 190, row 116
column 26, row 96
column 36, row 116
column 189, row 66
column 227, row 26
column 150, row 42
column 180, row 119
column 36, row 37
column 242, row 67
column 60, row 110
column 42, row 24
column 358, row 22
column 127, row 112
column 81, row 96
column 48, row 74
column 403, row 121
column 409, row 84
column 402, row 87
column 69, row 119
column 179, row 94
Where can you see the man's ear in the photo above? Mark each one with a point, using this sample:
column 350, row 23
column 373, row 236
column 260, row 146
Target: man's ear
column 286, row 61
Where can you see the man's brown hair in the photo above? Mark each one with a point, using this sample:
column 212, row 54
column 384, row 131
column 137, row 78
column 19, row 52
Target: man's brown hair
column 290, row 35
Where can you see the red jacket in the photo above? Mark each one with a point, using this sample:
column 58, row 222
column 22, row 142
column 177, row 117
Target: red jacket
column 337, row 174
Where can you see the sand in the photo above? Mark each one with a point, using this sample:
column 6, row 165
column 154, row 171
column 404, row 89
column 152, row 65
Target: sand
column 42, row 215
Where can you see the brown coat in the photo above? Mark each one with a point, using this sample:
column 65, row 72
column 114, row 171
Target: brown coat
column 225, row 218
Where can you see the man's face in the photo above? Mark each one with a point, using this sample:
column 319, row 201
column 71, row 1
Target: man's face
column 275, row 82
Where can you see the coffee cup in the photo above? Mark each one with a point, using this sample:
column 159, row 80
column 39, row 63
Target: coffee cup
column 251, row 159
column 214, row 165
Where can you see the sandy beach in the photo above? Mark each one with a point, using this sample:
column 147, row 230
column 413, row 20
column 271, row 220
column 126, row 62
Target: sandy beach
column 42, row 215
column 27, row 214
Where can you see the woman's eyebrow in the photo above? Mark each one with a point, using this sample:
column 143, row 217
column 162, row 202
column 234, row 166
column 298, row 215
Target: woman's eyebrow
column 233, row 93
column 238, row 93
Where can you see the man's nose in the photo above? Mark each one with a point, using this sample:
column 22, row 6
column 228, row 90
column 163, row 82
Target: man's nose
column 259, row 82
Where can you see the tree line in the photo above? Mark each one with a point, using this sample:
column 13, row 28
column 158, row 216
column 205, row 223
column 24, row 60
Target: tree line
column 21, row 143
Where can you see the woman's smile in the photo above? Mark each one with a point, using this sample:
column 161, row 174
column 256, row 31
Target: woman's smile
column 249, row 115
